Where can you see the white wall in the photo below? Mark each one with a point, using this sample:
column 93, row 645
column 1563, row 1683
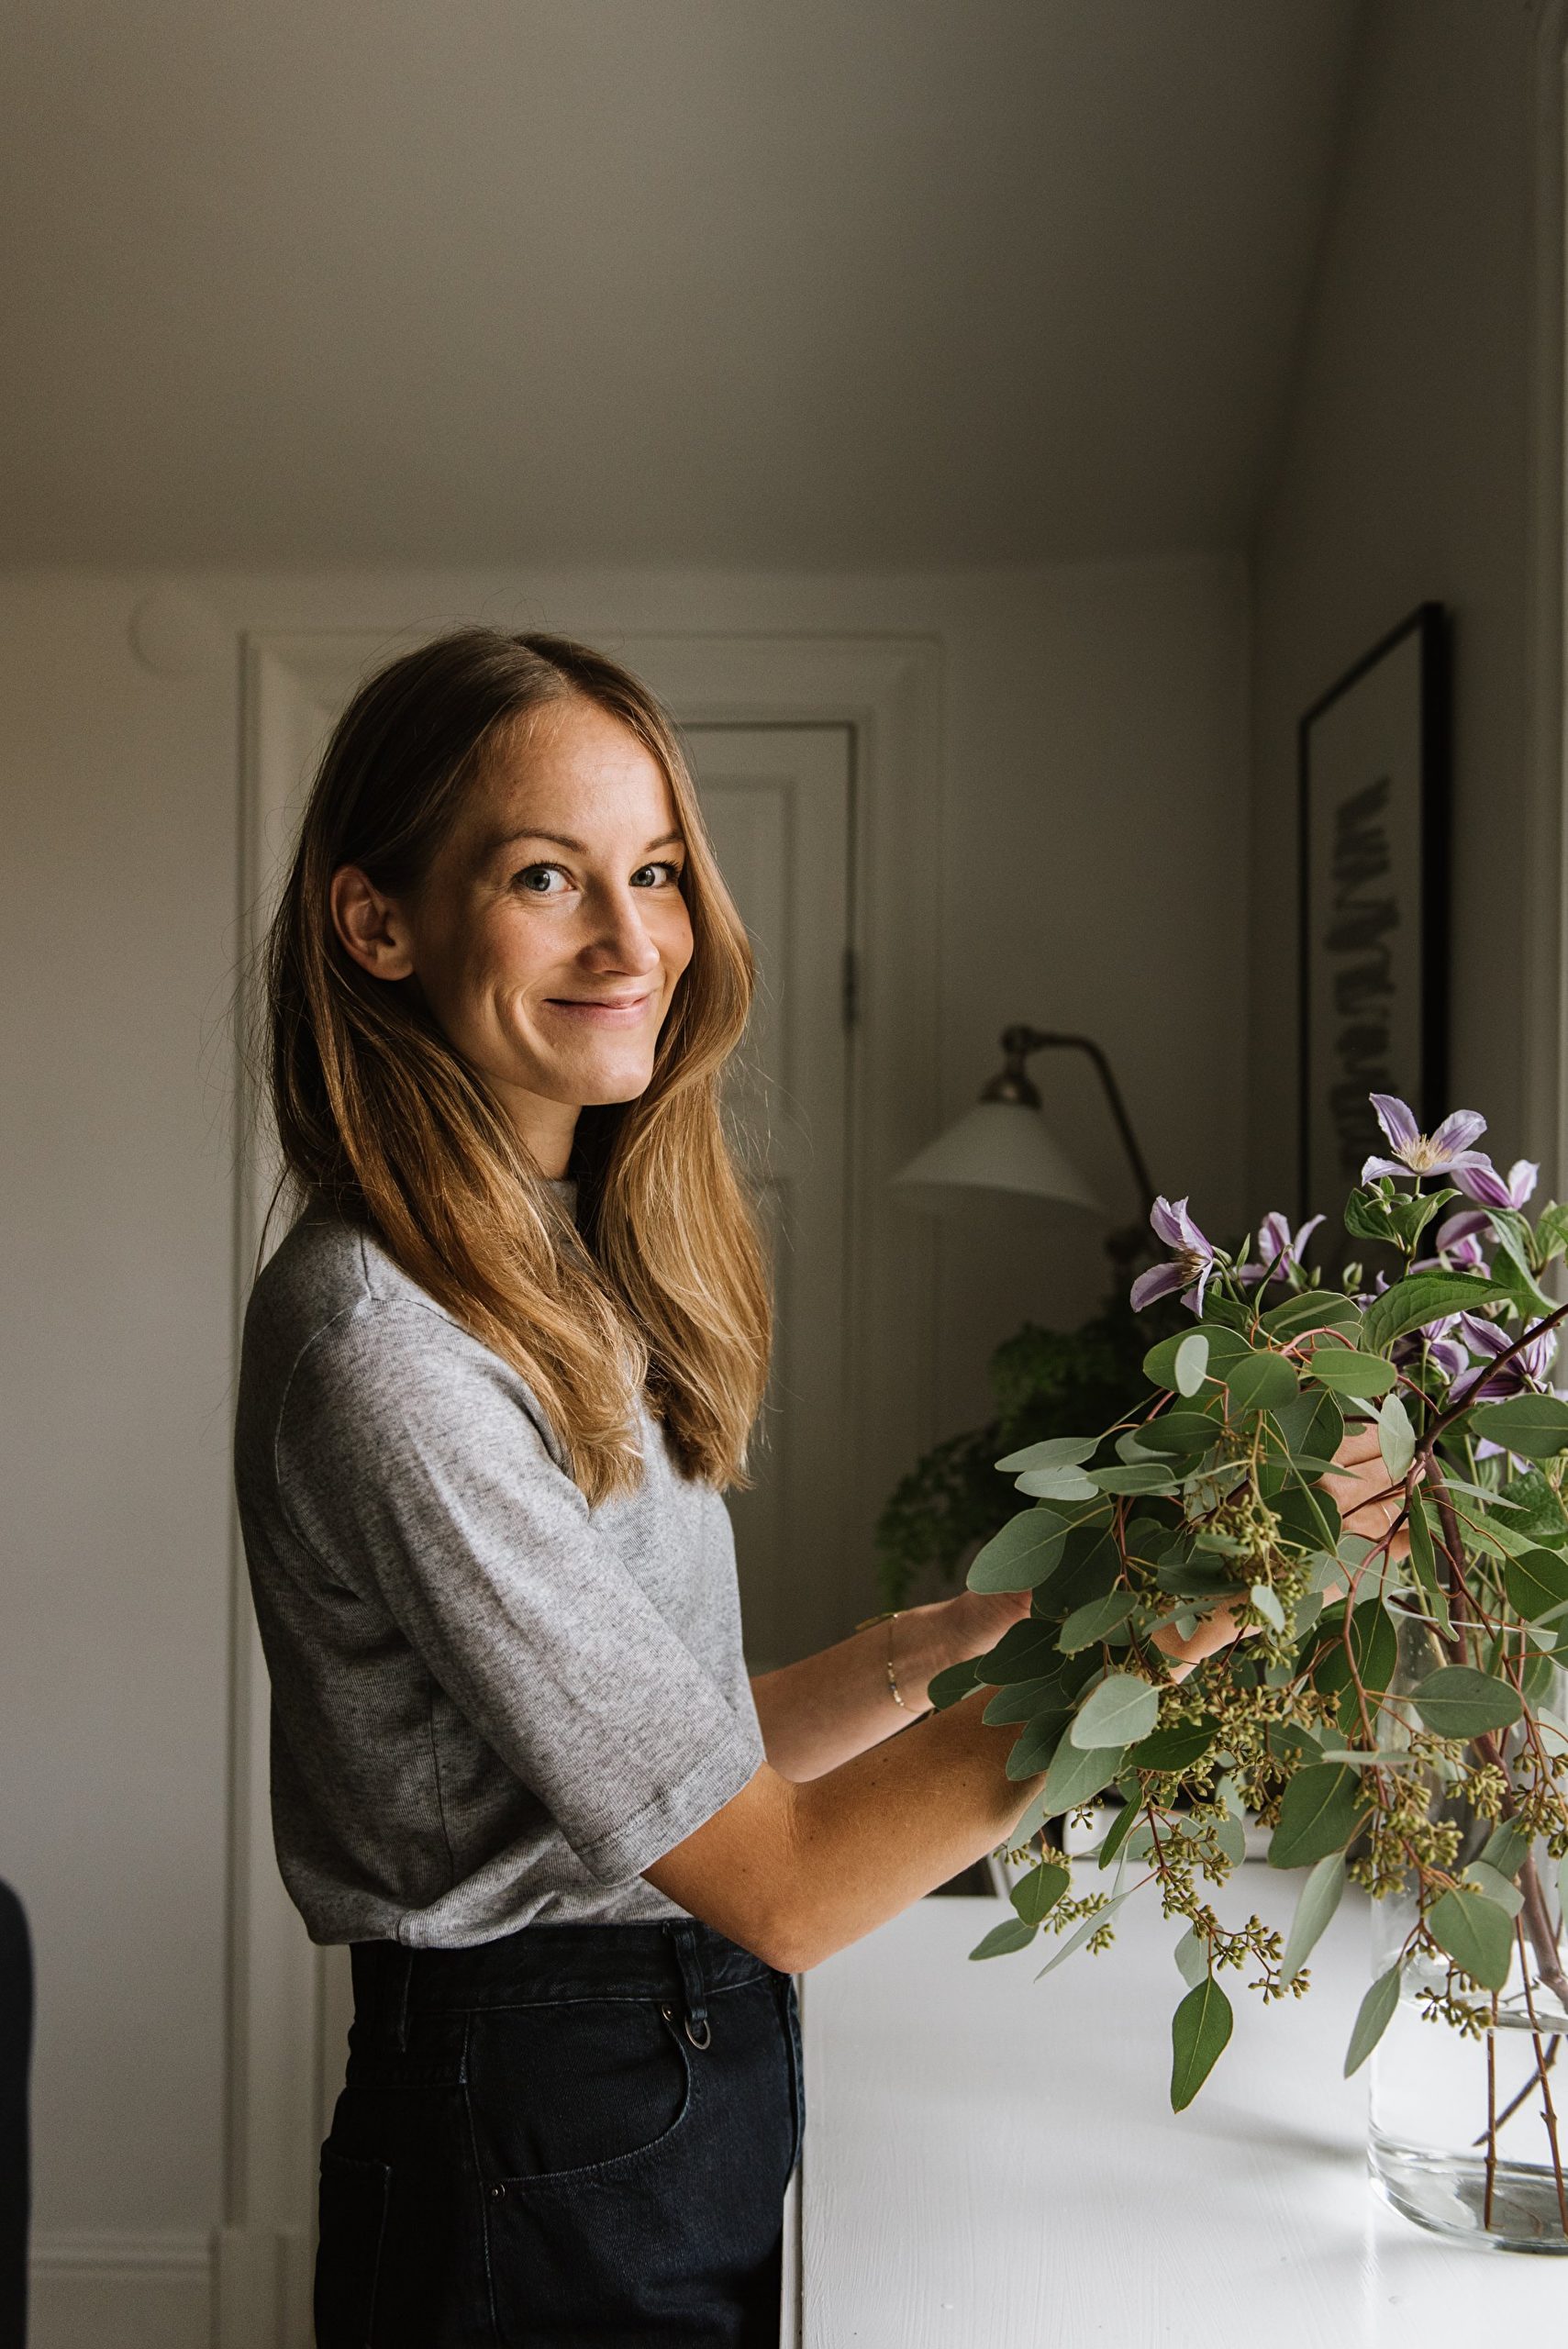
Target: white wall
column 1406, row 475
column 1095, row 803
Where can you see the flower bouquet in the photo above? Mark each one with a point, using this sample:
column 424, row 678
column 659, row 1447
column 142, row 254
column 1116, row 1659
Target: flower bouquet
column 1392, row 1711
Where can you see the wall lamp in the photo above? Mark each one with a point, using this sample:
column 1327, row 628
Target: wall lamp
column 1004, row 1144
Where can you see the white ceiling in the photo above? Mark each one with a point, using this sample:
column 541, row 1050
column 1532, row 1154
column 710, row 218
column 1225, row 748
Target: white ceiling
column 788, row 282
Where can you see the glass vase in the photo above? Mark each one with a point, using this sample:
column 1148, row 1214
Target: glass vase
column 1469, row 2134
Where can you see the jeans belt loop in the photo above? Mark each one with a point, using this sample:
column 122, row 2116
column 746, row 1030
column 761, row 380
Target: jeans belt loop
column 698, row 2031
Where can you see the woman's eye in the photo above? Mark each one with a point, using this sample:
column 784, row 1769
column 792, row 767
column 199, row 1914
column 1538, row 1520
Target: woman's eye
column 535, row 879
column 671, row 875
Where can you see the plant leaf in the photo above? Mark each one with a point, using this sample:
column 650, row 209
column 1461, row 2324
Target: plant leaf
column 1026, row 1651
column 1035, row 1895
column 1024, row 1700
column 1056, row 1485
column 1028, row 1548
column 1485, row 1879
column 1315, row 1308
column 1424, row 1560
column 1081, row 1933
column 1117, row 1711
column 1174, row 1749
column 1476, row 1933
column 1267, row 1603
column 1505, row 1849
column 1055, row 1451
column 1321, row 1810
column 955, row 1680
column 1086, row 1626
column 1192, row 1959
column 1537, row 1584
column 1422, row 1298
column 1458, row 1701
column 1036, row 1745
column 1179, row 1432
column 1077, row 1774
column 1396, row 1439
column 1002, row 1939
column 1190, row 1367
column 1375, row 2014
column 1200, row 2029
column 1535, row 1425
column 1345, row 1371
column 1262, row 1382
column 1319, row 1899
column 1153, row 1476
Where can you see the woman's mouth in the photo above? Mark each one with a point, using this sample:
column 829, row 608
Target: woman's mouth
column 603, row 1011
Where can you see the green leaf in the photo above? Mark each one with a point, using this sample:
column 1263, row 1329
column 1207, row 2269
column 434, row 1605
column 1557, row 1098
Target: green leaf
column 1422, row 1298
column 1086, row 1626
column 1476, row 1933
column 1424, row 1562
column 1077, row 1774
column 1457, row 1701
column 1538, row 1509
column 1375, row 2014
column 1396, row 1439
column 1121, row 1827
column 1374, row 1644
column 1537, row 1583
column 1261, row 1383
column 1026, row 1549
column 1224, row 1346
column 1315, row 1308
column 1174, row 1749
column 1155, row 1478
column 1319, row 1899
column 1494, row 1885
column 1506, row 1848
column 1179, row 1433
column 1056, row 1485
column 954, row 1681
column 1117, row 1711
column 1090, row 1567
column 1026, row 1651
column 1082, row 1933
column 1190, row 1367
column 1199, row 2030
column 1002, row 1939
column 1551, row 1232
column 1033, row 1749
column 1024, row 1700
column 1511, row 1265
column 1321, row 1810
column 1191, row 1954
column 1535, row 1425
column 1056, row 1452
column 1345, row 1371
column 1035, row 1895
column 1312, row 1426
column 1267, row 1603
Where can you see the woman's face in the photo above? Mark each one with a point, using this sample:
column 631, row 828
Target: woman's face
column 549, row 933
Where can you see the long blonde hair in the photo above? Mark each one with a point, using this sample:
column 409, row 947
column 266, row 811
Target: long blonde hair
column 663, row 1286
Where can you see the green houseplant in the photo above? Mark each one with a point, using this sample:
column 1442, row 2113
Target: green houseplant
column 1392, row 1711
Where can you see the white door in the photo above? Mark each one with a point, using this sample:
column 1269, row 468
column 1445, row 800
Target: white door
column 778, row 801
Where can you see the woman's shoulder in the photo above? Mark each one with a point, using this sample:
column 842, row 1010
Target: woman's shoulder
column 332, row 1290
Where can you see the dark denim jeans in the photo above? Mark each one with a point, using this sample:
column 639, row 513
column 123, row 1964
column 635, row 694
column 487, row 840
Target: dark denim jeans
column 579, row 2133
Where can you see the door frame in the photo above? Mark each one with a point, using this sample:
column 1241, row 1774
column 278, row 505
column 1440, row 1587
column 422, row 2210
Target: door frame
column 887, row 690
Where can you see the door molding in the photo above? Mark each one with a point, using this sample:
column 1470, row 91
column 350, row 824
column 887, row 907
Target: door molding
column 887, row 689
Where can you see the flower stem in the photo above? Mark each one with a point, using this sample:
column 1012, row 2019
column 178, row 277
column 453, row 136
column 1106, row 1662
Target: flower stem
column 1543, row 2067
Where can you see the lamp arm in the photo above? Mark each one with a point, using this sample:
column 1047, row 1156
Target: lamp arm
column 1017, row 1041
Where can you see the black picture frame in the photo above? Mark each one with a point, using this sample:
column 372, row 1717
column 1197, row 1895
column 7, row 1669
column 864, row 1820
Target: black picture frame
column 1375, row 756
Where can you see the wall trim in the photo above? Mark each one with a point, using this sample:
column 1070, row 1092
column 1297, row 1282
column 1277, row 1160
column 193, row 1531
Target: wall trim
column 888, row 688
column 122, row 2251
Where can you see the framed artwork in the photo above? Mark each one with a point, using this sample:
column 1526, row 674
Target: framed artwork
column 1373, row 779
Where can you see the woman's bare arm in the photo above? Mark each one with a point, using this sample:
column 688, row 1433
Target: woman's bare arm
column 795, row 1872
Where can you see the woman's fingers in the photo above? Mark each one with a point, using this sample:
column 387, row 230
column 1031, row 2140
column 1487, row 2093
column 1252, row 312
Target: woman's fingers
column 1359, row 1485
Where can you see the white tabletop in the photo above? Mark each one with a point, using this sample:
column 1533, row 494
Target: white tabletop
column 993, row 2162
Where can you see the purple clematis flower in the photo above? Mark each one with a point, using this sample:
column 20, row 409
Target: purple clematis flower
column 1279, row 1249
column 1192, row 1258
column 1435, row 1343
column 1459, row 1244
column 1445, row 1152
column 1489, row 1339
column 1483, row 1182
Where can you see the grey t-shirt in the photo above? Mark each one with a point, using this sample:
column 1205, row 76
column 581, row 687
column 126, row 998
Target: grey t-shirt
column 491, row 1703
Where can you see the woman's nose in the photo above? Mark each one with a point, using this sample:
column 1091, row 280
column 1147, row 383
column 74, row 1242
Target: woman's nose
column 622, row 939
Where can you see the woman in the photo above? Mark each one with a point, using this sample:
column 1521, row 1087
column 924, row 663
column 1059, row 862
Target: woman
column 494, row 1384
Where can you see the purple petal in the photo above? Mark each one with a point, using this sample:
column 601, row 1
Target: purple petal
column 1483, row 1337
column 1274, row 1237
column 1523, row 1176
column 1485, row 1185
column 1456, row 1133
column 1460, row 1162
column 1397, row 1122
column 1468, row 1224
column 1161, row 1280
column 1305, row 1234
column 1169, row 1223
column 1375, row 1166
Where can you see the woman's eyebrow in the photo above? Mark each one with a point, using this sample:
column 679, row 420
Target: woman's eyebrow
column 579, row 848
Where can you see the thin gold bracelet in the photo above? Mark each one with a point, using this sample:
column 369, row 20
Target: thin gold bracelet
column 891, row 1617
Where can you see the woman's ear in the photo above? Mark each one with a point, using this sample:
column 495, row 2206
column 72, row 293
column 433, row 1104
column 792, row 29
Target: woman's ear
column 369, row 926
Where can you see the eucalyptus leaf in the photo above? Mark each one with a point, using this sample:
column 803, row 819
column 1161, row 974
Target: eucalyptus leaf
column 1267, row 1603
column 1192, row 1959
column 1152, row 1478
column 1179, row 1433
column 1316, row 1904
column 1537, row 1583
column 1496, row 1886
column 1375, row 2014
column 1458, row 1701
column 1422, row 1298
column 1346, row 1372
column 1223, row 1345
column 1190, row 1367
column 1176, row 1748
column 1082, row 1933
column 1424, row 1562
column 1023, row 1700
column 1535, row 1425
column 1026, row 1651
column 1476, row 1933
column 1035, row 1895
column 1002, row 1939
column 1396, row 1439
column 1117, row 1713
column 1088, row 1626
column 1055, row 1451
column 1121, row 1827
column 1028, row 1548
column 1200, row 2030
column 1506, row 1849
column 1313, row 1425
column 1056, row 1485
column 1263, row 1382
column 1033, row 1749
column 1231, row 1838
column 1315, row 1308
column 1077, row 1774
column 953, row 1682
column 1321, row 1809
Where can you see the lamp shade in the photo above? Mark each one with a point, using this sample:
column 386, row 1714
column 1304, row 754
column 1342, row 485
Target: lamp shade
column 997, row 1146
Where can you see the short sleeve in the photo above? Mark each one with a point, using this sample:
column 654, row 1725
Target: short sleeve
column 410, row 1467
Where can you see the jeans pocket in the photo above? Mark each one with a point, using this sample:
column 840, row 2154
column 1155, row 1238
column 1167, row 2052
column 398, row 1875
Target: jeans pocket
column 347, row 2258
column 575, row 2089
